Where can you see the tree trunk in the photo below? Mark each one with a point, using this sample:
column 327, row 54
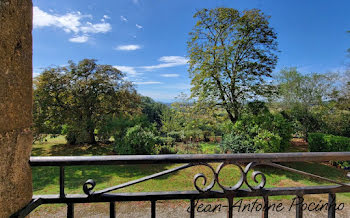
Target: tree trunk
column 91, row 139
column 232, row 118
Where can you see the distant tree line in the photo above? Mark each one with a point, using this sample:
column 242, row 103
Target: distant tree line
column 235, row 101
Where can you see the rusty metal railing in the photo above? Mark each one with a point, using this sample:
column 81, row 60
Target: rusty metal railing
column 244, row 162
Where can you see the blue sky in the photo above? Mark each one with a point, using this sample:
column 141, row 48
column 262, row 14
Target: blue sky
column 146, row 39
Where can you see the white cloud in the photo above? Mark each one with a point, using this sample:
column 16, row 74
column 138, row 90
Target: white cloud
column 106, row 17
column 135, row 72
column 96, row 28
column 122, row 18
column 79, row 39
column 70, row 23
column 168, row 61
column 170, row 75
column 139, row 26
column 147, row 83
column 128, row 47
column 130, row 71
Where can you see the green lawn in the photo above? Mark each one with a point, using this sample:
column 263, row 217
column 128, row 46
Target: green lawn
column 46, row 179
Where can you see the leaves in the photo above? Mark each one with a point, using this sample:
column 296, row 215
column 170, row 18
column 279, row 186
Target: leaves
column 231, row 53
column 81, row 96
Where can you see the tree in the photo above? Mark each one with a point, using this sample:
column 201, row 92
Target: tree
column 343, row 96
column 231, row 54
column 153, row 110
column 307, row 90
column 306, row 97
column 81, row 96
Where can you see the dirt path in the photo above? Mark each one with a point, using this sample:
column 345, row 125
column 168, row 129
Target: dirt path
column 179, row 209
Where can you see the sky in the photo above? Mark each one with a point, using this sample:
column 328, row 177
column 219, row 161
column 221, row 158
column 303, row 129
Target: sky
column 146, row 39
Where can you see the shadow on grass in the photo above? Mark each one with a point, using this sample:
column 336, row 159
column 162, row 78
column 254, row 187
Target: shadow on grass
column 309, row 167
column 79, row 150
column 47, row 178
column 38, row 151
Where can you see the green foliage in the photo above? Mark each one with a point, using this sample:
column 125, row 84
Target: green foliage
column 305, row 98
column 188, row 122
column 137, row 140
column 319, row 142
column 165, row 149
column 166, row 141
column 307, row 90
column 81, row 96
column 231, row 54
column 336, row 122
column 269, row 142
column 237, row 143
column 258, row 131
column 152, row 110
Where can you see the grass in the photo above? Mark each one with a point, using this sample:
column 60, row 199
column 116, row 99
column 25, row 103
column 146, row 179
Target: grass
column 46, row 179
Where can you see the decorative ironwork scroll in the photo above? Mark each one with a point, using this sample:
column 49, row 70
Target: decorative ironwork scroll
column 90, row 184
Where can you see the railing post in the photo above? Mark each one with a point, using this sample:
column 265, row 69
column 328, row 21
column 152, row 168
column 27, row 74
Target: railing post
column 192, row 209
column 153, row 209
column 62, row 194
column 230, row 207
column 266, row 207
column 331, row 205
column 112, row 209
column 70, row 210
column 299, row 206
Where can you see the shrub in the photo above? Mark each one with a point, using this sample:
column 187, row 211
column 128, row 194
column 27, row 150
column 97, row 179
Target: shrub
column 137, row 140
column 166, row 141
column 267, row 141
column 338, row 123
column 178, row 136
column 237, row 143
column 165, row 149
column 328, row 143
column 258, row 130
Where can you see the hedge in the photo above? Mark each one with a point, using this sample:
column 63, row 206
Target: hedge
column 319, row 142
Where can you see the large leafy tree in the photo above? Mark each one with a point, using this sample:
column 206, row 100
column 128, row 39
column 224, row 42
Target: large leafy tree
column 308, row 90
column 81, row 97
column 306, row 97
column 231, row 53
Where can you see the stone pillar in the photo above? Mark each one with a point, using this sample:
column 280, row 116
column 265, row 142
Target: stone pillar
column 15, row 104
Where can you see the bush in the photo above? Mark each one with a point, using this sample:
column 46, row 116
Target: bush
column 267, row 141
column 328, row 143
column 166, row 141
column 237, row 143
column 165, row 149
column 337, row 123
column 137, row 140
column 178, row 136
column 258, row 130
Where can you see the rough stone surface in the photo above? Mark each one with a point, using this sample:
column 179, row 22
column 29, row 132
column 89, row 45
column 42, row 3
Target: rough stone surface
column 15, row 64
column 15, row 172
column 15, row 104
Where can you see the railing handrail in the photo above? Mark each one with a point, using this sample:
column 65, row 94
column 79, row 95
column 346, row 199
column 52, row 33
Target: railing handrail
column 187, row 158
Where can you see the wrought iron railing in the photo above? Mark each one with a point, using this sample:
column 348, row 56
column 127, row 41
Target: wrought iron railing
column 244, row 162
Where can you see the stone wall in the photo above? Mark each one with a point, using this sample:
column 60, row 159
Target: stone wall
column 15, row 104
